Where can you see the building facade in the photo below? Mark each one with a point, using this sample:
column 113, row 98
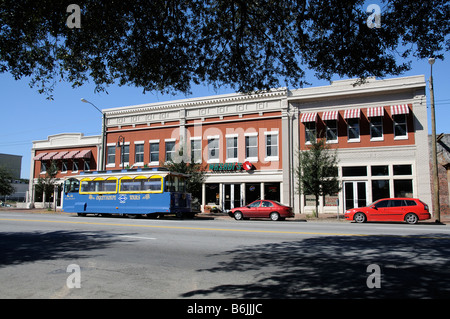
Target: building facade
column 248, row 143
column 70, row 152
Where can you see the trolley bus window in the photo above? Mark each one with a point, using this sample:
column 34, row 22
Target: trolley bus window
column 141, row 184
column 99, row 186
column 71, row 186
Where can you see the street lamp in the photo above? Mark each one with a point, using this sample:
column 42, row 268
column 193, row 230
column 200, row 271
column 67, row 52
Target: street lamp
column 436, row 204
column 102, row 157
column 121, row 139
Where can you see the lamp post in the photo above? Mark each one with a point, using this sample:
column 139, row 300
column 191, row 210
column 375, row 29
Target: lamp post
column 121, row 138
column 102, row 157
column 436, row 205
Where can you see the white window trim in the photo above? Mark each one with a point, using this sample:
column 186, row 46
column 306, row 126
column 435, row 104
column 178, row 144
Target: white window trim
column 252, row 159
column 214, row 160
column 272, row 158
column 231, row 159
column 376, row 139
column 404, row 137
column 354, row 140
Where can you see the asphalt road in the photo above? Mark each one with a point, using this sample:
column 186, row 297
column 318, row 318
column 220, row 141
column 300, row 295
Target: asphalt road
column 170, row 258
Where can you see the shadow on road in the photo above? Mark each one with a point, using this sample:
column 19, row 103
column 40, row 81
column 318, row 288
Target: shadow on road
column 336, row 267
column 23, row 247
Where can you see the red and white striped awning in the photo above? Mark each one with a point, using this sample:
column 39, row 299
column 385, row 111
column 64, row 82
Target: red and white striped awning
column 309, row 117
column 399, row 109
column 375, row 111
column 60, row 155
column 352, row 114
column 70, row 154
column 330, row 115
column 49, row 156
column 39, row 156
column 84, row 154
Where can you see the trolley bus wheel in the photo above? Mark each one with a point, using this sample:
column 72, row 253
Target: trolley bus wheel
column 81, row 214
column 133, row 216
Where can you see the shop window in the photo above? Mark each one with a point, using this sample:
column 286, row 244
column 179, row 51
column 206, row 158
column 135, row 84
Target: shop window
column 380, row 170
column 213, row 150
column 400, row 126
column 170, row 150
column 44, row 167
column 380, row 189
column 87, row 165
column 251, row 147
column 332, row 131
column 402, row 170
column 64, row 167
column 196, row 150
column 310, row 132
column 139, row 153
column 403, row 188
column 350, row 171
column 271, row 146
column 212, row 194
column 376, row 128
column 353, row 130
column 126, row 153
column 252, row 192
column 232, row 148
column 111, row 155
column 75, row 165
column 154, row 152
column 272, row 191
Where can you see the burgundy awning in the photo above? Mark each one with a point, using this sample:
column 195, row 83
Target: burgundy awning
column 39, row 156
column 352, row 114
column 70, row 155
column 84, row 154
column 330, row 115
column 49, row 156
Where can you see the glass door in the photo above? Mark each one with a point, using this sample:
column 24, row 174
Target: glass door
column 231, row 196
column 355, row 194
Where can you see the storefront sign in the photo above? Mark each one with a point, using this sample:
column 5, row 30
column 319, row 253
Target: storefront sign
column 229, row 167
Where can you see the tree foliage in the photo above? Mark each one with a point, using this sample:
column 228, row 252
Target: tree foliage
column 317, row 171
column 5, row 182
column 168, row 45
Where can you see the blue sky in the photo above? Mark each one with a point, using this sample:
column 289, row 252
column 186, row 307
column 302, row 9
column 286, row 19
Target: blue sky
column 28, row 116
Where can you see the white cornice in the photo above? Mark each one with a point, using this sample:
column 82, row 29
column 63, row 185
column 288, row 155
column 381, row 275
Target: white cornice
column 226, row 99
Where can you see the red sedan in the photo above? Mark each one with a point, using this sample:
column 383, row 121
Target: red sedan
column 262, row 209
column 410, row 210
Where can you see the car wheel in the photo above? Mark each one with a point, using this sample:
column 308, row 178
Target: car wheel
column 238, row 215
column 360, row 218
column 411, row 218
column 274, row 216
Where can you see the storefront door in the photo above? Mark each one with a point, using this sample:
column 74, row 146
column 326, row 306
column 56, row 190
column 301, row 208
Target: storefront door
column 231, row 196
column 355, row 194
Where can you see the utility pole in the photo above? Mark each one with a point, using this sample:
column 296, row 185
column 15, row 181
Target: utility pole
column 436, row 204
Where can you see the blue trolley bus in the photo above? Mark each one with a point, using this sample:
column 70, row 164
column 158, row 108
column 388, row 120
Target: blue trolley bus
column 133, row 192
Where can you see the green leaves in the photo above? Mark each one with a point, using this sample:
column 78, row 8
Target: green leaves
column 167, row 45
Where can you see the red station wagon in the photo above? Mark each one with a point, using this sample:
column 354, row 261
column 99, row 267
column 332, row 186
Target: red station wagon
column 262, row 209
column 410, row 210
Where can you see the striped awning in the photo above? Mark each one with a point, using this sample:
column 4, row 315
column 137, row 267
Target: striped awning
column 39, row 156
column 60, row 155
column 49, row 156
column 70, row 155
column 309, row 117
column 330, row 115
column 352, row 114
column 399, row 109
column 84, row 154
column 375, row 111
